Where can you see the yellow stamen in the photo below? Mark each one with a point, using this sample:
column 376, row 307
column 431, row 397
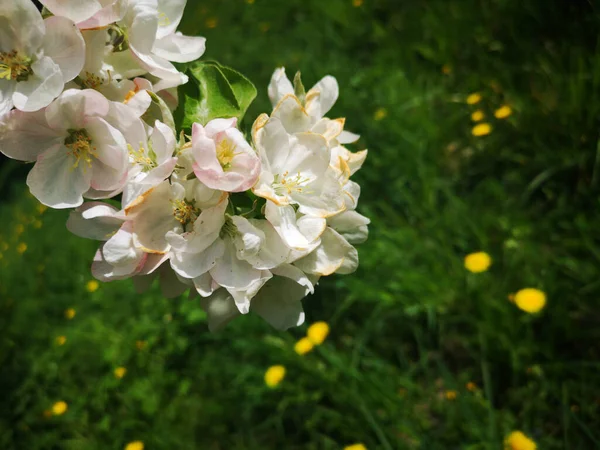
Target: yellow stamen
column 226, row 153
column 185, row 212
column 288, row 185
column 14, row 66
column 79, row 143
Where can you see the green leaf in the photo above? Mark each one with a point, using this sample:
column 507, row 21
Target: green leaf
column 214, row 91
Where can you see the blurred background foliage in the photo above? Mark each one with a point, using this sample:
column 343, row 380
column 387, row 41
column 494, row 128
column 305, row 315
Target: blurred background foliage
column 422, row 354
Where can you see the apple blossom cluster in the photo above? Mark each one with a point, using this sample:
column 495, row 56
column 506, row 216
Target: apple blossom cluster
column 247, row 223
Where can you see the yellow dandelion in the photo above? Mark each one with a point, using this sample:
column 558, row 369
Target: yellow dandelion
column 4, row 246
column 518, row 441
column 474, row 98
column 481, row 129
column 355, row 447
column 37, row 224
column 446, row 69
column 21, row 248
column 317, row 332
column 477, row 115
column 303, row 346
column 503, row 112
column 380, row 114
column 530, row 300
column 140, row 345
column 274, row 375
column 59, row 408
column 477, row 262
column 41, row 208
column 451, row 395
column 471, row 386
column 19, row 229
column 60, row 340
column 357, row 3
column 92, row 286
column 212, row 22
column 70, row 313
column 120, row 372
column 250, row 2
column 135, row 445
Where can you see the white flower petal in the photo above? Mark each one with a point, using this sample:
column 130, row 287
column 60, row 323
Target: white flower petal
column 75, row 10
column 283, row 219
column 94, row 220
column 65, row 45
column 55, row 181
column 7, row 88
column 279, row 86
column 279, row 303
column 334, row 254
column 232, row 273
column 220, row 308
column 73, row 107
column 192, row 265
column 21, row 27
column 170, row 13
column 179, row 48
column 24, row 136
column 322, row 97
column 44, row 85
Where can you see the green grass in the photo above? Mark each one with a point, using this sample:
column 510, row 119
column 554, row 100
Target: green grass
column 412, row 323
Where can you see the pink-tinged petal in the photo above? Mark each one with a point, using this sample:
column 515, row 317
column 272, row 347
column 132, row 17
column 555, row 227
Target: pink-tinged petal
column 217, row 126
column 152, row 263
column 65, row 45
column 244, row 165
column 279, row 86
column 21, row 25
column 41, row 88
column 25, row 135
column 179, row 48
column 94, row 220
column 73, row 107
column 76, row 10
column 55, row 180
column 7, row 88
column 283, row 219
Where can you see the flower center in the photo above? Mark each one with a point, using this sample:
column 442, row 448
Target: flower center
column 118, row 38
column 228, row 229
column 286, row 184
column 145, row 159
column 80, row 146
column 185, row 212
column 225, row 153
column 15, row 66
column 91, row 81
